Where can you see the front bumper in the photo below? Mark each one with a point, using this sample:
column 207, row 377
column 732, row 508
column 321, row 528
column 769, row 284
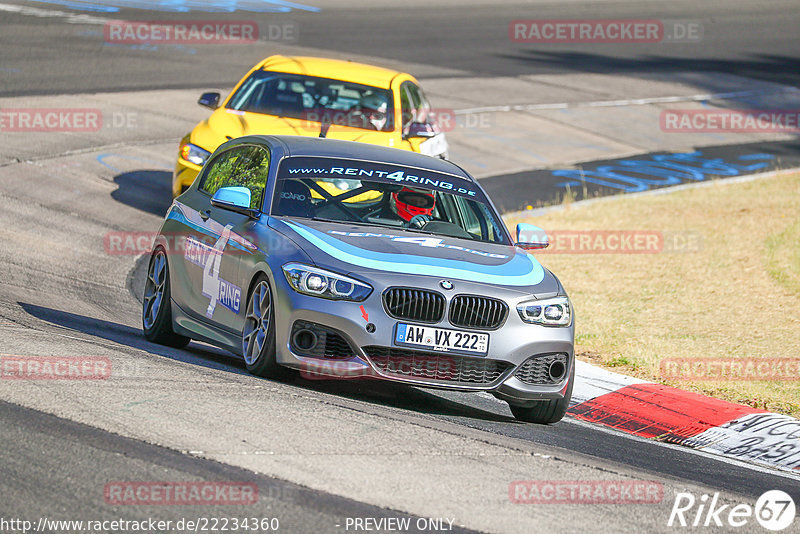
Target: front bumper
column 183, row 176
column 369, row 334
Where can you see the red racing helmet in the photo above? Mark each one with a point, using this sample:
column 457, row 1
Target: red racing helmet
column 410, row 202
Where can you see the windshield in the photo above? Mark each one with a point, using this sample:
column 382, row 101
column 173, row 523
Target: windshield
column 387, row 196
column 315, row 99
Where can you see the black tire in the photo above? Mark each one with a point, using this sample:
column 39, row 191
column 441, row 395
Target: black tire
column 156, row 305
column 548, row 411
column 259, row 357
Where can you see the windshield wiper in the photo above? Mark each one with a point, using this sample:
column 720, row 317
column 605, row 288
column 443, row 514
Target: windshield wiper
column 420, row 231
column 340, row 221
column 361, row 223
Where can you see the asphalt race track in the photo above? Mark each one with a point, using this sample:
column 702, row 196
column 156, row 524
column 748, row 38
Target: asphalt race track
column 752, row 40
column 324, row 453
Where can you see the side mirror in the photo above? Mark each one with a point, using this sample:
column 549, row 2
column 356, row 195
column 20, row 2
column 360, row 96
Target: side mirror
column 530, row 237
column 421, row 129
column 234, row 199
column 209, row 100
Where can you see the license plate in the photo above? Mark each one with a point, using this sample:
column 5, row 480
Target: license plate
column 441, row 339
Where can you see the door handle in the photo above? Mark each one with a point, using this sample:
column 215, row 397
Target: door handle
column 205, row 214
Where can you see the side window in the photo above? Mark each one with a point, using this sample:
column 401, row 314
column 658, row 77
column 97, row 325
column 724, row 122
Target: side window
column 446, row 209
column 245, row 166
column 251, row 172
column 416, row 107
column 477, row 220
column 407, row 107
column 221, row 169
column 419, row 104
column 470, row 221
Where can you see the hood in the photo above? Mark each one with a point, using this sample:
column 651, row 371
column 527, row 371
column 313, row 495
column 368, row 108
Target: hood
column 349, row 248
column 225, row 123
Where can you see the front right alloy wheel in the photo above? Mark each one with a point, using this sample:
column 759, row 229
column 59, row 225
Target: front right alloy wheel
column 546, row 411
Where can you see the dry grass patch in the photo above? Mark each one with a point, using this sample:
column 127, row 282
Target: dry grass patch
column 738, row 296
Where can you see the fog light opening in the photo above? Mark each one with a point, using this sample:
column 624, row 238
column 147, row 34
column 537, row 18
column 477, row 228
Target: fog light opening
column 557, row 370
column 304, row 339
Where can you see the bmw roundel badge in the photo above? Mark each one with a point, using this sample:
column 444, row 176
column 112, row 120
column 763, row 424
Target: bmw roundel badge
column 446, row 284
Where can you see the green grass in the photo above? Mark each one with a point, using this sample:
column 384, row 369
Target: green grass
column 783, row 257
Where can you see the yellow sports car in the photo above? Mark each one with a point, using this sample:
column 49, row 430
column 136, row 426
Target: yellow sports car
column 314, row 97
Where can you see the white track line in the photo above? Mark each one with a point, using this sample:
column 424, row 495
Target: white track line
column 623, row 103
column 72, row 18
column 75, row 18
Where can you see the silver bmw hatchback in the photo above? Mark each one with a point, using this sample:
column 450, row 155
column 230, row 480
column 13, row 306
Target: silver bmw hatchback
column 340, row 259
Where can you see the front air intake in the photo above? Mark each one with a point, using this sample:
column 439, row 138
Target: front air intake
column 414, row 304
column 432, row 367
column 543, row 369
column 469, row 311
column 317, row 341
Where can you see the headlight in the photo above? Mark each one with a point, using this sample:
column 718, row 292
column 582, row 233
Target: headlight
column 325, row 284
column 548, row 312
column 194, row 154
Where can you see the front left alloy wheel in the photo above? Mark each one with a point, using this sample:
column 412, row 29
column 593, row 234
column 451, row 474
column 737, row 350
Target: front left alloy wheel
column 156, row 308
column 258, row 335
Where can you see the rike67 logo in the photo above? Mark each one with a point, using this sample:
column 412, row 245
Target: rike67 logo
column 774, row 510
